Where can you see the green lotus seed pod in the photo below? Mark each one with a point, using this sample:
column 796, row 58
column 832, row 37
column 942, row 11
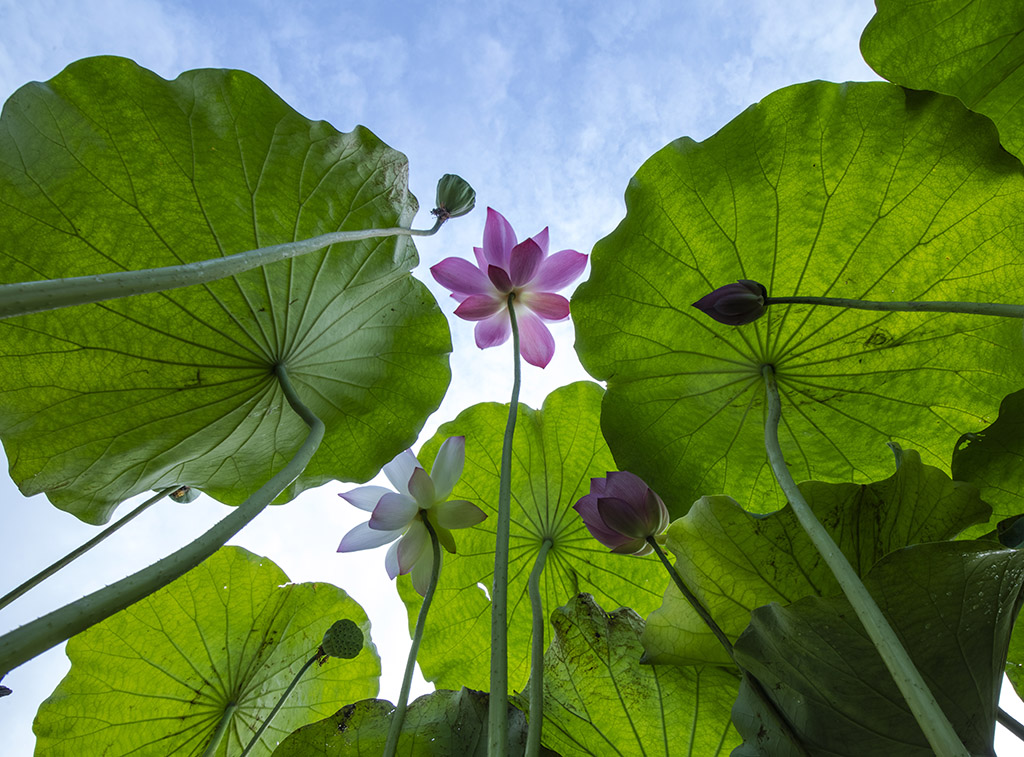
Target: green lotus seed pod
column 454, row 197
column 343, row 639
column 184, row 495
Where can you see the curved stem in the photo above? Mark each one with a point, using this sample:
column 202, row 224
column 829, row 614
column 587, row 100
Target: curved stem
column 222, row 728
column 36, row 637
column 533, row 735
column 752, row 681
column 926, row 710
column 972, row 308
column 50, row 294
column 280, row 703
column 398, row 716
column 73, row 555
column 497, row 711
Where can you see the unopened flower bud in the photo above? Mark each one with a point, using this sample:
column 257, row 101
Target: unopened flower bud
column 735, row 304
column 621, row 512
column 454, row 197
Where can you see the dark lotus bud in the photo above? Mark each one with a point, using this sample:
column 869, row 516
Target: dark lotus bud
column 621, row 511
column 454, row 197
column 735, row 304
column 184, row 495
column 343, row 639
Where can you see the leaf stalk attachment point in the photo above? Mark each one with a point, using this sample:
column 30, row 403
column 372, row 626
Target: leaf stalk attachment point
column 933, row 721
column 31, row 639
column 497, row 712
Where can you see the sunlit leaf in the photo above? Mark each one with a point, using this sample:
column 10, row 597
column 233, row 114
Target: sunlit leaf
column 599, row 699
column 441, row 724
column 856, row 190
column 973, row 49
column 108, row 167
column 735, row 561
column 221, row 642
column 952, row 604
column 556, row 452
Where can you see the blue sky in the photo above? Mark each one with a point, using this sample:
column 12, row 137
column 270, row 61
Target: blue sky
column 546, row 108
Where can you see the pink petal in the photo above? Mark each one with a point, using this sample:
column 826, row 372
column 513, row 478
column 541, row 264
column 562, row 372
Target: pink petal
column 542, row 240
column 548, row 305
column 481, row 261
column 365, row 497
column 500, row 278
column 460, row 276
column 399, row 470
column 493, row 331
column 559, row 270
column 477, row 307
column 422, row 488
column 448, row 464
column 364, row 537
column 535, row 341
column 524, row 262
column 412, row 546
column 394, row 511
column 458, row 513
column 499, row 239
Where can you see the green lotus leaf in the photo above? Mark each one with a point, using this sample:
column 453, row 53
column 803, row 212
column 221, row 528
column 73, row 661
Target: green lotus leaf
column 440, row 724
column 973, row 49
column 215, row 648
column 952, row 604
column 865, row 191
column 599, row 699
column 108, row 167
column 993, row 460
column 556, row 451
column 735, row 561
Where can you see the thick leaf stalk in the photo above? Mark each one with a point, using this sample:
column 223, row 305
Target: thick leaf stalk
column 933, row 721
column 533, row 735
column 497, row 713
column 50, row 294
column 939, row 306
column 398, row 716
column 41, row 634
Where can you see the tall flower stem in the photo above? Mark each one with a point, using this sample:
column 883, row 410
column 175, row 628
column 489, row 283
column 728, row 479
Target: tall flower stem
column 755, row 685
column 280, row 703
column 36, row 637
column 533, row 735
column 74, row 554
column 933, row 721
column 398, row 716
column 497, row 712
column 973, row 308
column 50, row 294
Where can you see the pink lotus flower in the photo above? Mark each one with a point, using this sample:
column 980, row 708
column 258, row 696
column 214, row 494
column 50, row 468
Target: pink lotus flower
column 621, row 511
column 399, row 515
column 506, row 267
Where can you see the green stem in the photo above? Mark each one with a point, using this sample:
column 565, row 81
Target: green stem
column 398, row 716
column 1007, row 721
column 533, row 735
column 497, row 712
column 45, row 573
column 50, row 294
column 280, row 703
column 222, row 728
column 972, row 308
column 36, row 637
column 926, row 710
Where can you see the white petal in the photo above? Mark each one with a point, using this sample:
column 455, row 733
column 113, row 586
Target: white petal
column 422, row 488
column 458, row 513
column 364, row 537
column 448, row 466
column 399, row 470
column 394, row 512
column 365, row 497
column 413, row 546
column 421, row 575
column 391, row 560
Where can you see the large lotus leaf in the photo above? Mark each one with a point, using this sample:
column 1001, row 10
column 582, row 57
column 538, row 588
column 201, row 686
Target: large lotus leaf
column 599, row 699
column 557, row 450
column 993, row 460
column 952, row 604
column 108, row 167
column 735, row 561
column 221, row 642
column 440, row 724
column 856, row 190
column 973, row 49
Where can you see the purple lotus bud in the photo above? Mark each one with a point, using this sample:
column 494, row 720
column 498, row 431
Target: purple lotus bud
column 735, row 304
column 621, row 512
